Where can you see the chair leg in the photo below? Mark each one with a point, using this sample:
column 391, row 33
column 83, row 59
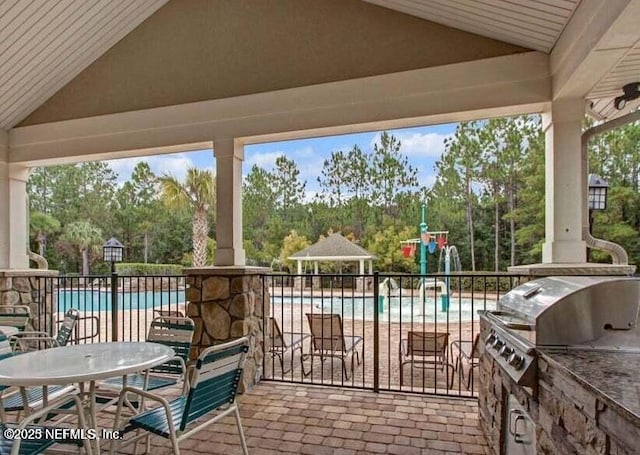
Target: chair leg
column 174, row 444
column 245, row 450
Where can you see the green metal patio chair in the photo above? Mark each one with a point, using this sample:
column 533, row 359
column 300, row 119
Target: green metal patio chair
column 14, row 399
column 212, row 386
column 39, row 445
column 175, row 332
column 15, row 315
column 35, row 340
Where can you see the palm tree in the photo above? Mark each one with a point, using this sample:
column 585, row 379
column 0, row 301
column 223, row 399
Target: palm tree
column 42, row 225
column 83, row 235
column 197, row 193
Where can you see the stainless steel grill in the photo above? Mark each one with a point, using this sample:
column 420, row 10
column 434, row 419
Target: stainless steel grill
column 564, row 312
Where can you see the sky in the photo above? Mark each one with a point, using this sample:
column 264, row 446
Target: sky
column 423, row 146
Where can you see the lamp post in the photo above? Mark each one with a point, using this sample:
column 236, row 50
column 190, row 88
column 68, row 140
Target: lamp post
column 112, row 251
column 597, row 198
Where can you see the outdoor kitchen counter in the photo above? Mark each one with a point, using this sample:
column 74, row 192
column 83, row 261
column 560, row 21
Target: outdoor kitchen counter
column 612, row 378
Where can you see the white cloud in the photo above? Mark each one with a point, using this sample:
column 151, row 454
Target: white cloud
column 265, row 160
column 306, row 158
column 174, row 164
column 418, row 144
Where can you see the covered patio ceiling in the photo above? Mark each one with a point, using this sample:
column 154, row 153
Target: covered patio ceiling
column 590, row 49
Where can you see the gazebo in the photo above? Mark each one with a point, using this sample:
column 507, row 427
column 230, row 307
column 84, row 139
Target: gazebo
column 334, row 248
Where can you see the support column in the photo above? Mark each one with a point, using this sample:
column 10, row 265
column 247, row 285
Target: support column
column 227, row 303
column 229, row 156
column 14, row 231
column 563, row 183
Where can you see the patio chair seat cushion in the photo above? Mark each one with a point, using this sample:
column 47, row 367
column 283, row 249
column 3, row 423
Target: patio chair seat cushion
column 137, row 380
column 27, row 446
column 35, row 397
column 155, row 420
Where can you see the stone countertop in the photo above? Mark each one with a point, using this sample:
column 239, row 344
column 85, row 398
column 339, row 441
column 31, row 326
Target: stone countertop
column 612, row 376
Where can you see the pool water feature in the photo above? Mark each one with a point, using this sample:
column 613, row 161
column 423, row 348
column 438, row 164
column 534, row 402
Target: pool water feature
column 395, row 309
column 98, row 300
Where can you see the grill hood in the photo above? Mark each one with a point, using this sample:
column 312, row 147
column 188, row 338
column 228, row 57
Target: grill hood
column 574, row 310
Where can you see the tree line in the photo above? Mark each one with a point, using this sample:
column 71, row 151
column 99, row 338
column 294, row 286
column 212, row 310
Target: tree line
column 488, row 193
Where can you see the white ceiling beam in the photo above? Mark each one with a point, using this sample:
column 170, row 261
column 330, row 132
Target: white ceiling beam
column 598, row 35
column 506, row 85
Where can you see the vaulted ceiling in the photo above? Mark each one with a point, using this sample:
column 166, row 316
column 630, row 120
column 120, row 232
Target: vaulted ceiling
column 46, row 44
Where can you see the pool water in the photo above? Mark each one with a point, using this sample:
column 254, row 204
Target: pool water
column 395, row 309
column 94, row 300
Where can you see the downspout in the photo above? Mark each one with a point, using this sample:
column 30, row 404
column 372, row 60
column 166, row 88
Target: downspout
column 618, row 254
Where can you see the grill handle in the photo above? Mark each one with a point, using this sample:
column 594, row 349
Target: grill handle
column 509, row 325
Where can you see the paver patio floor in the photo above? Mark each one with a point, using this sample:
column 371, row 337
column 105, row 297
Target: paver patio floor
column 290, row 418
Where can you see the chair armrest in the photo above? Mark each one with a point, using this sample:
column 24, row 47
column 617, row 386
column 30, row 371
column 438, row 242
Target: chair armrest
column 22, row 343
column 30, row 333
column 459, row 345
column 143, row 393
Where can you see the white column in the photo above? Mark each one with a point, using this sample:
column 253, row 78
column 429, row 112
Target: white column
column 14, row 231
column 229, row 157
column 563, row 183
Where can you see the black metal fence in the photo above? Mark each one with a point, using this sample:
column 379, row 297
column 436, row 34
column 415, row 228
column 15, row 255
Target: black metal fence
column 382, row 332
column 111, row 307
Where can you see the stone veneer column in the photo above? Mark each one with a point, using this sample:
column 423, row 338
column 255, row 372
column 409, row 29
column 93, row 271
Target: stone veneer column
column 228, row 303
column 34, row 288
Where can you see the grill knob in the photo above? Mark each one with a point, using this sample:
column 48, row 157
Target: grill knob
column 490, row 339
column 506, row 351
column 497, row 344
column 516, row 361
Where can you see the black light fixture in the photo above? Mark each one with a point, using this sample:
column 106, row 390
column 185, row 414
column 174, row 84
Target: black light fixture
column 597, row 192
column 631, row 92
column 112, row 251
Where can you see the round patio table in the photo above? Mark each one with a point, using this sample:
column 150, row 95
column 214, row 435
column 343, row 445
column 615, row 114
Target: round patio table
column 82, row 364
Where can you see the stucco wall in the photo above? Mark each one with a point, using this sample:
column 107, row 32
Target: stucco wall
column 196, row 50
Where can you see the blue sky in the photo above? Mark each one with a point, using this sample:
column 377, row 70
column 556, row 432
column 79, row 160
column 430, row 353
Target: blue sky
column 422, row 145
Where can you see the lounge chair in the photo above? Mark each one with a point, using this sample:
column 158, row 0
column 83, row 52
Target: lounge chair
column 328, row 340
column 467, row 352
column 283, row 342
column 212, row 386
column 424, row 350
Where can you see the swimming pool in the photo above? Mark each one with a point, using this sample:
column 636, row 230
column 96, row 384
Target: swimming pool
column 98, row 300
column 395, row 309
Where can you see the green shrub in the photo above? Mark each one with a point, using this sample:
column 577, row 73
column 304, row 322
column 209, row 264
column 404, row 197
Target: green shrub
column 141, row 269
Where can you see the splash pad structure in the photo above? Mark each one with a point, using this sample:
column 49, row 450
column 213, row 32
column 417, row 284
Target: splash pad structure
column 429, row 241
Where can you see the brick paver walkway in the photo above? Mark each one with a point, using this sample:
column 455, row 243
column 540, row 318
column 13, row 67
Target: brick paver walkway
column 290, row 418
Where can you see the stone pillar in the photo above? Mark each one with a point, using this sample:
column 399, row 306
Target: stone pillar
column 228, row 303
column 229, row 249
column 34, row 288
column 563, row 183
column 14, row 231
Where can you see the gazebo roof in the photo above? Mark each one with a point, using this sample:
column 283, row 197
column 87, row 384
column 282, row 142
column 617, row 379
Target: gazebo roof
column 333, row 248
